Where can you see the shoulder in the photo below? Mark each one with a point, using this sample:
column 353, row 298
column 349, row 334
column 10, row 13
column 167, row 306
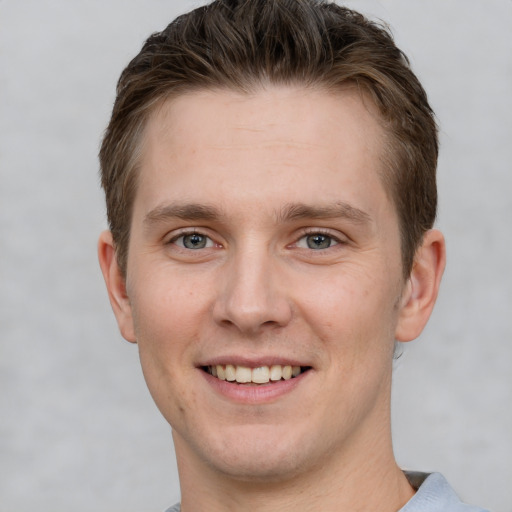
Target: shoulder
column 174, row 508
column 434, row 493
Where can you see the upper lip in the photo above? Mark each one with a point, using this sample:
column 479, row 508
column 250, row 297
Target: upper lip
column 252, row 362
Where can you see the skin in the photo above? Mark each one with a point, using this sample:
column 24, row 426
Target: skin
column 261, row 176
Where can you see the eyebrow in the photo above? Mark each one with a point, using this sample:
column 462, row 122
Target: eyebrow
column 298, row 211
column 185, row 211
column 289, row 212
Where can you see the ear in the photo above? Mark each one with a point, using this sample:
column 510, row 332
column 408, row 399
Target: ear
column 420, row 292
column 116, row 286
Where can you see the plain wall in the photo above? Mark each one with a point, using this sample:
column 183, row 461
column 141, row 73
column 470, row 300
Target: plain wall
column 78, row 429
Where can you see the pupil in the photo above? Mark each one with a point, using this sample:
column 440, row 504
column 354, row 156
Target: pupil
column 194, row 241
column 319, row 241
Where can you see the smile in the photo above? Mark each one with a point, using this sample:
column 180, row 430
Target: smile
column 259, row 375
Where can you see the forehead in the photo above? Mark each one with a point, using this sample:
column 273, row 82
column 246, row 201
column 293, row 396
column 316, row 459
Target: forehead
column 293, row 112
column 298, row 140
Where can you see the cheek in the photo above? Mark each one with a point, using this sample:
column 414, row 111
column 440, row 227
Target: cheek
column 167, row 327
column 352, row 310
column 168, row 319
column 167, row 383
column 168, row 305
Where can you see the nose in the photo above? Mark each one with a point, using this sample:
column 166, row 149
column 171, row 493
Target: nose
column 252, row 293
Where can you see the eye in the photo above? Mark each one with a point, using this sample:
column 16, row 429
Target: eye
column 317, row 241
column 193, row 241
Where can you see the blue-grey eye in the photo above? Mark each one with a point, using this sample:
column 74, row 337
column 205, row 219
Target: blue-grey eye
column 194, row 241
column 317, row 241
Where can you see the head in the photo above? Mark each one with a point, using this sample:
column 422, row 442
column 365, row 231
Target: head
column 241, row 46
column 269, row 171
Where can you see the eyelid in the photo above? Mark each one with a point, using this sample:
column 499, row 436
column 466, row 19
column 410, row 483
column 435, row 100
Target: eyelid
column 335, row 235
column 338, row 239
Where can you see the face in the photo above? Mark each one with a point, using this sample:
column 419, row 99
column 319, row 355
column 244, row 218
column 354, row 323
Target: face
column 264, row 278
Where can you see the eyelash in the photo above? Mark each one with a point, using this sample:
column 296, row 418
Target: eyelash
column 187, row 232
column 308, row 232
column 321, row 232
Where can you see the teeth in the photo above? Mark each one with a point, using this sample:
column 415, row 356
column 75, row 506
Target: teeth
column 260, row 375
column 276, row 372
column 243, row 374
column 230, row 372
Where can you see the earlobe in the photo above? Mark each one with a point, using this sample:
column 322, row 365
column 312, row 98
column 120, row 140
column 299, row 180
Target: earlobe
column 420, row 292
column 116, row 286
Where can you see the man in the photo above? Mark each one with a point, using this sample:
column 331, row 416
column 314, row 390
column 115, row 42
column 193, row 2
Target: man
column 269, row 171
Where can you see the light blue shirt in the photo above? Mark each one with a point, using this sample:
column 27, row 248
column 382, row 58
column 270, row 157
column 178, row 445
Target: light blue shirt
column 433, row 494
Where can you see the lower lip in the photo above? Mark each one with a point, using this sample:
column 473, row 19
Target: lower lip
column 256, row 394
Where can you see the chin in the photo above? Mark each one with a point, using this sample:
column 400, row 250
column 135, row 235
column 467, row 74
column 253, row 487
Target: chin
column 256, row 453
column 261, row 468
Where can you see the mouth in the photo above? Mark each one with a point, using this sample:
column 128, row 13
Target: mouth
column 254, row 376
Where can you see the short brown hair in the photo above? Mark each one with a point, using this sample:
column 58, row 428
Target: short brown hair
column 242, row 44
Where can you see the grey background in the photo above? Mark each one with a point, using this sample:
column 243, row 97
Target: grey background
column 78, row 430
